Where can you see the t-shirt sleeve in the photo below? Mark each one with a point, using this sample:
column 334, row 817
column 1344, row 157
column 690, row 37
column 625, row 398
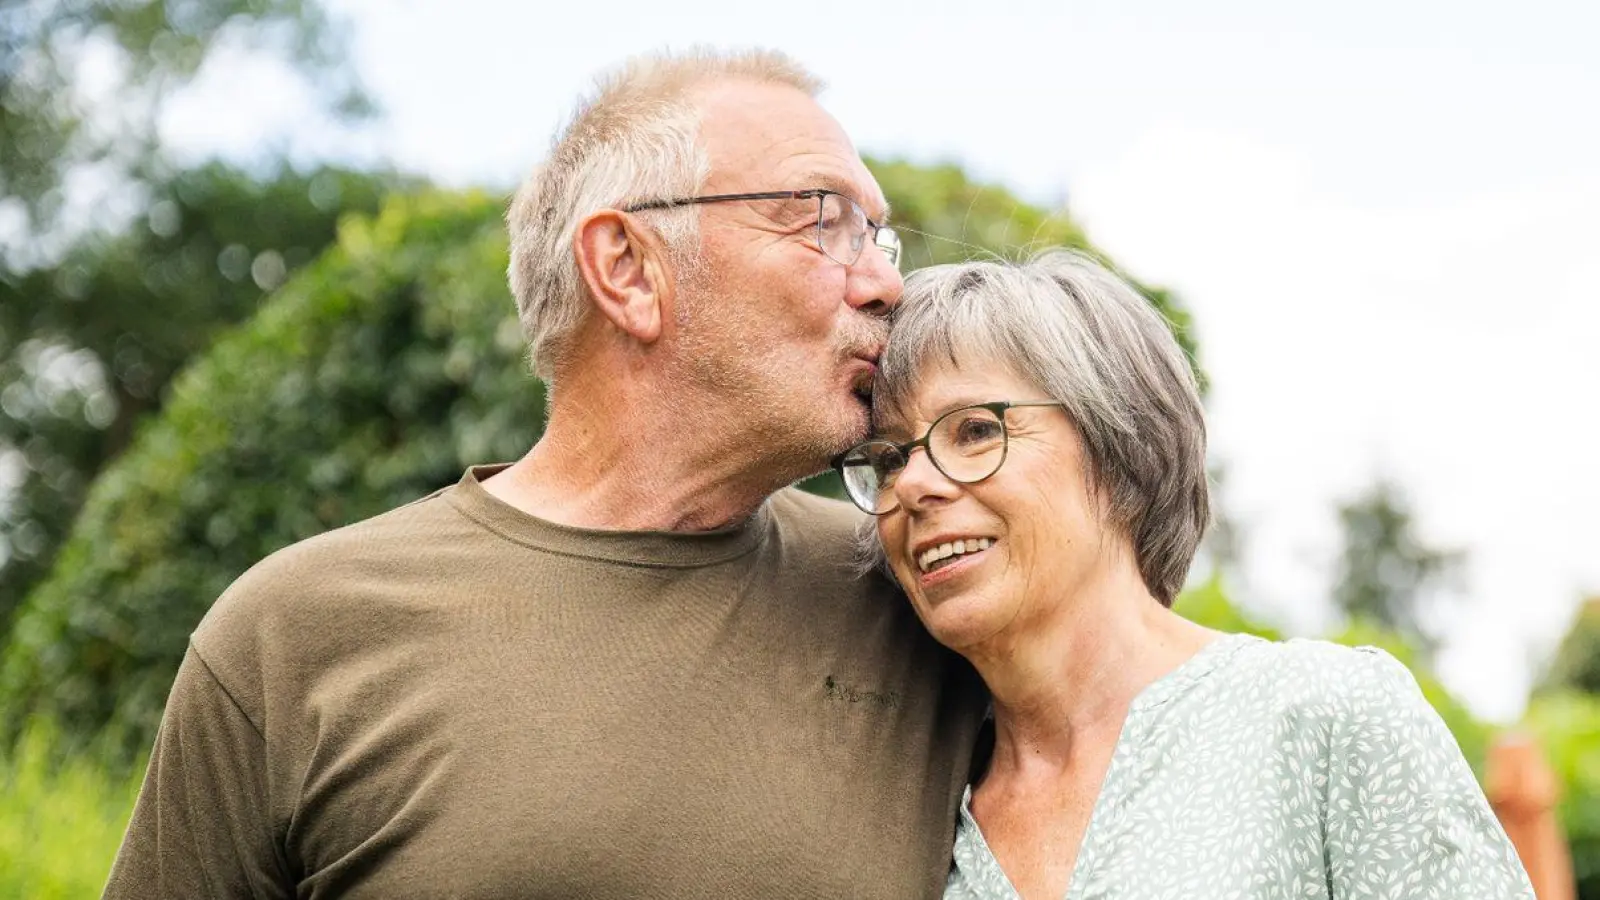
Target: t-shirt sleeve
column 202, row 825
column 1406, row 818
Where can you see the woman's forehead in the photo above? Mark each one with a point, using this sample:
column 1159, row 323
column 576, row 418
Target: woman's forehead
column 941, row 387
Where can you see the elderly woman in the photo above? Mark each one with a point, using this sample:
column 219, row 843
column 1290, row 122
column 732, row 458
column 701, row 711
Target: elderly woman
column 1040, row 489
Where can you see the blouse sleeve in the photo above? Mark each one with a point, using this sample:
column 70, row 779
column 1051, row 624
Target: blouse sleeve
column 1405, row 816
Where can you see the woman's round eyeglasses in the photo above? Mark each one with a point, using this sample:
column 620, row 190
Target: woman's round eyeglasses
column 966, row 445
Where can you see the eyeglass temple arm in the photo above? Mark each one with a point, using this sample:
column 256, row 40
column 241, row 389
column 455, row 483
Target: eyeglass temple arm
column 719, row 198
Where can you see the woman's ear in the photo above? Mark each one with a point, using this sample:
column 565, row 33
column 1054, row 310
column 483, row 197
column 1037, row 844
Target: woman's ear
column 623, row 267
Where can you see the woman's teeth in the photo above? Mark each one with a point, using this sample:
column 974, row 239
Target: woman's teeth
column 930, row 557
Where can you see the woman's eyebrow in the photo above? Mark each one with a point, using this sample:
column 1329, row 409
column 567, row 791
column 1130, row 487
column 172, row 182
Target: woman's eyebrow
column 962, row 401
column 898, row 429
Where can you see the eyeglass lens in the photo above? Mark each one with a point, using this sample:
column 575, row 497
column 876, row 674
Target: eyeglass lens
column 842, row 228
column 967, row 445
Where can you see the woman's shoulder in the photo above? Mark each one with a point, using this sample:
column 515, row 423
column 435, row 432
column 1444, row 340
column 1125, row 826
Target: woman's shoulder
column 1323, row 682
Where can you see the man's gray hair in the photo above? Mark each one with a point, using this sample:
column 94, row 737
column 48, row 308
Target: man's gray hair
column 634, row 139
column 1088, row 339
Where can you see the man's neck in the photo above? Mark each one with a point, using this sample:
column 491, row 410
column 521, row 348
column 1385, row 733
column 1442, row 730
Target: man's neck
column 632, row 463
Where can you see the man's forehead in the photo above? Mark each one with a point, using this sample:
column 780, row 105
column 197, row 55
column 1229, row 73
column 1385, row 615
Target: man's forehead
column 762, row 137
column 862, row 188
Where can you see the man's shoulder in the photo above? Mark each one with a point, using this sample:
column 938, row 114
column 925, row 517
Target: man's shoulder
column 811, row 516
column 825, row 512
column 819, row 531
column 299, row 584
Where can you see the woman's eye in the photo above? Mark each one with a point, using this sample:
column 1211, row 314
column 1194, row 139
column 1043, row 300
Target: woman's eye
column 978, row 431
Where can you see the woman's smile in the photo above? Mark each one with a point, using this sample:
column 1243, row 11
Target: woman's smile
column 943, row 562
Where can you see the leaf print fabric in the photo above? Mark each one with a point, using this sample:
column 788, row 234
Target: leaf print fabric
column 1262, row 769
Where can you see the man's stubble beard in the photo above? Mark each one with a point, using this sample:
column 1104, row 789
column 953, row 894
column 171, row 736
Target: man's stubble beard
column 738, row 388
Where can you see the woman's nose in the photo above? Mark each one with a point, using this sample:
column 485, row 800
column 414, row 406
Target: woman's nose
column 921, row 484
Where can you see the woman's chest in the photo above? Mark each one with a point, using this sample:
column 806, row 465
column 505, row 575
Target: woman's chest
column 1034, row 830
column 1174, row 820
column 1247, row 827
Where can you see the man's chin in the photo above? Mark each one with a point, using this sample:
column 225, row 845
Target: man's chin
column 848, row 427
column 860, row 407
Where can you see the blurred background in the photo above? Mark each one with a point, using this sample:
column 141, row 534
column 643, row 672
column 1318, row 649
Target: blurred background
column 251, row 288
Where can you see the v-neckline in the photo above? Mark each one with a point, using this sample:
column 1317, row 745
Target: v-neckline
column 1168, row 687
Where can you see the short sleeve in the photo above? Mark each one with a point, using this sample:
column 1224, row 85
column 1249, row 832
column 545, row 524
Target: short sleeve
column 202, row 826
column 1405, row 816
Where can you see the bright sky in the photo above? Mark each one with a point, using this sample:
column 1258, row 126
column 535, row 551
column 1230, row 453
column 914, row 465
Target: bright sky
column 1385, row 217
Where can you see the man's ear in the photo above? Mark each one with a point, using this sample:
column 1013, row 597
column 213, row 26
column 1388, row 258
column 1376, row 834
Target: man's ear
column 622, row 265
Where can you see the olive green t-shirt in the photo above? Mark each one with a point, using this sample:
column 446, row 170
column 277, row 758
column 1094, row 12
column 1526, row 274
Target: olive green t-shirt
column 456, row 699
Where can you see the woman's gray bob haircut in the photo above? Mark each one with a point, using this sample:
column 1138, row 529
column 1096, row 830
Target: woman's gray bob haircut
column 634, row 139
column 1088, row 339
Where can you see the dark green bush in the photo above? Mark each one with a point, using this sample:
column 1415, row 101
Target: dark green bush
column 1567, row 726
column 131, row 308
column 374, row 377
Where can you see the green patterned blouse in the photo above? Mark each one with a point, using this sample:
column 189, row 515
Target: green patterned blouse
column 1278, row 770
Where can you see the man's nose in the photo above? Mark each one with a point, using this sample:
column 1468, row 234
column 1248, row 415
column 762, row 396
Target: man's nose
column 874, row 284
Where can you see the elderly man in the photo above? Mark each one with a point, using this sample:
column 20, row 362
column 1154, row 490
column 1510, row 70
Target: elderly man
column 632, row 663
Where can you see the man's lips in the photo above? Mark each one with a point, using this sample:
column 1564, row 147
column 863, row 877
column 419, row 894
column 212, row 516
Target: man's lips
column 863, row 371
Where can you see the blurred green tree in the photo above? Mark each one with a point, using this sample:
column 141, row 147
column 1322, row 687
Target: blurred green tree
column 115, row 264
column 1576, row 665
column 1566, row 724
column 1208, row 603
column 372, row 378
column 88, row 344
column 1565, row 716
column 1386, row 574
column 83, row 83
column 943, row 216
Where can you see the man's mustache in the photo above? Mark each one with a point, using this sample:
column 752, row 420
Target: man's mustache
column 865, row 340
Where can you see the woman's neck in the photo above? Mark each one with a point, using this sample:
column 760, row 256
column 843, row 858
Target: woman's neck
column 1072, row 677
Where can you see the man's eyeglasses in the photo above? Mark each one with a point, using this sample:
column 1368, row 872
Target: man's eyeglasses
column 842, row 225
column 967, row 445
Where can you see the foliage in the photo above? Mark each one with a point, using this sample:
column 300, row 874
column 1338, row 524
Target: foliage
column 88, row 344
column 942, row 216
column 59, row 116
column 1208, row 604
column 61, row 818
column 373, row 378
column 1386, row 573
column 1567, row 726
column 1565, row 716
column 104, row 286
column 1576, row 664
column 108, row 258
